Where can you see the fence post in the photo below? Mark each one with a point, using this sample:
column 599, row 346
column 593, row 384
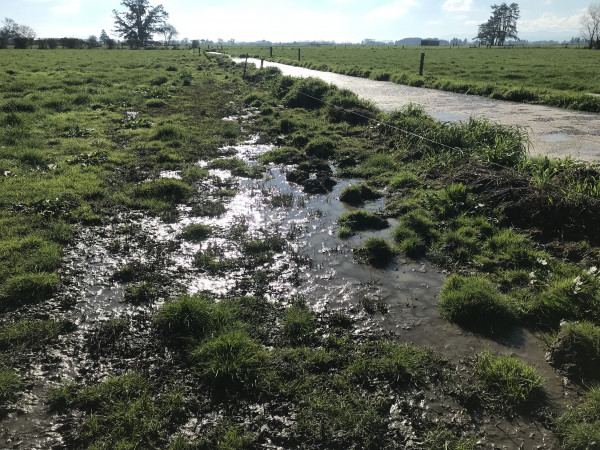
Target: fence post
column 270, row 52
column 245, row 65
column 262, row 61
column 298, row 54
column 422, row 63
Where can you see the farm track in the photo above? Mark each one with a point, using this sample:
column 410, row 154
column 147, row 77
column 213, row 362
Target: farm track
column 554, row 132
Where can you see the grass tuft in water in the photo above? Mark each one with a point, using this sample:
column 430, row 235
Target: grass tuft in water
column 515, row 382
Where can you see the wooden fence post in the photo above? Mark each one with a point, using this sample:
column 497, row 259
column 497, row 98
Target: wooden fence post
column 422, row 63
column 298, row 54
column 270, row 52
column 262, row 62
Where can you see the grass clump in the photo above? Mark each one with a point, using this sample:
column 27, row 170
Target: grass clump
column 321, row 148
column 361, row 220
column 232, row 359
column 10, row 385
column 28, row 333
column 196, row 232
column 193, row 317
column 305, row 93
column 160, row 194
column 580, row 427
column 355, row 195
column 514, row 381
column 404, row 180
column 167, row 133
column 299, row 324
column 398, row 364
column 576, row 350
column 142, row 292
column 121, row 412
column 28, row 288
column 441, row 438
column 475, row 303
column 283, row 155
column 375, row 251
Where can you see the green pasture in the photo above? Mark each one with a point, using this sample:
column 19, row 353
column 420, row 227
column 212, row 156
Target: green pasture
column 550, row 75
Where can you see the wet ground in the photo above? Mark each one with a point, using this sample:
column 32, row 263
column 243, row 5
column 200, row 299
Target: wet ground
column 315, row 264
column 554, row 132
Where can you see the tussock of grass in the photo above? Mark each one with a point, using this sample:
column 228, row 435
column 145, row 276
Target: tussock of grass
column 232, row 359
column 361, row 220
column 475, row 303
column 576, row 350
column 376, row 252
column 298, row 324
column 355, row 195
column 195, row 317
column 514, row 381
column 10, row 385
column 196, row 232
column 580, row 427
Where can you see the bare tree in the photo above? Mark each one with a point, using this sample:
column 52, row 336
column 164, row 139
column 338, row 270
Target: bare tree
column 169, row 32
column 139, row 22
column 590, row 24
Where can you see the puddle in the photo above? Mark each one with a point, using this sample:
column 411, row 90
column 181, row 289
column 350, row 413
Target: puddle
column 556, row 137
column 314, row 264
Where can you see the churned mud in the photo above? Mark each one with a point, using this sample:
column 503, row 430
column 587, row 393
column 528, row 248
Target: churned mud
column 554, row 132
column 314, row 264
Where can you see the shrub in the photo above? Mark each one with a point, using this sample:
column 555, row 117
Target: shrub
column 475, row 303
column 514, row 381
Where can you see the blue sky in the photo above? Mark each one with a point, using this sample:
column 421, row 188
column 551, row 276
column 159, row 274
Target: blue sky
column 283, row 20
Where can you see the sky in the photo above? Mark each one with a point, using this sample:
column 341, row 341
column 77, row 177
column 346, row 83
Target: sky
column 301, row 20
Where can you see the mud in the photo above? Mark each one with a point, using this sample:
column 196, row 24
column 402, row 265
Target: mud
column 314, row 264
column 554, row 132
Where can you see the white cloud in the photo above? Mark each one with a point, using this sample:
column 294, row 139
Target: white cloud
column 457, row 5
column 392, row 11
column 67, row 7
column 548, row 22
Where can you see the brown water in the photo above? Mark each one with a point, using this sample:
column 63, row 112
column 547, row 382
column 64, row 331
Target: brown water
column 554, row 132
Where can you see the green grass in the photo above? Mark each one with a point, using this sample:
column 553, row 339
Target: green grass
column 196, row 232
column 576, row 350
column 298, row 324
column 475, row 303
column 376, row 252
column 10, row 385
column 515, row 382
column 580, row 427
column 518, row 74
column 361, row 220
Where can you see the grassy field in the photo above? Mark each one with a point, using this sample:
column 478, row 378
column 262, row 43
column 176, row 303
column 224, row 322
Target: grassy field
column 551, row 75
column 85, row 137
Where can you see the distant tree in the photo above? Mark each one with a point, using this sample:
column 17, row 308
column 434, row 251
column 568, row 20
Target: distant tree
column 168, row 31
column 195, row 43
column 7, row 32
column 139, row 22
column 590, row 24
column 186, row 42
column 110, row 43
column 103, row 37
column 24, row 37
column 502, row 25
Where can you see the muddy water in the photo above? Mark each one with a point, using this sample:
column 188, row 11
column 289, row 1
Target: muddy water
column 316, row 265
column 554, row 132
